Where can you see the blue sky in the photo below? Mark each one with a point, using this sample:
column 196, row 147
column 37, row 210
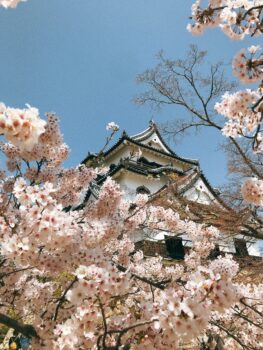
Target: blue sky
column 79, row 58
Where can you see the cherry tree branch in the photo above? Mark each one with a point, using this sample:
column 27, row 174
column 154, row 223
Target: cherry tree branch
column 63, row 298
column 25, row 329
column 157, row 284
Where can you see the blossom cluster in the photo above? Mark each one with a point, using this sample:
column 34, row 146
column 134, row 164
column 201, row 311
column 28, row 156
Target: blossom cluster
column 252, row 191
column 68, row 265
column 248, row 66
column 76, row 272
column 22, row 127
column 243, row 109
column 80, row 265
column 237, row 107
column 235, row 18
column 112, row 126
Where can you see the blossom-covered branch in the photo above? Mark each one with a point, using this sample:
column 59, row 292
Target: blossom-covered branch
column 76, row 275
column 235, row 18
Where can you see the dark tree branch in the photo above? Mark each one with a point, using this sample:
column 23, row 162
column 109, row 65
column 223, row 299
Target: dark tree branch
column 230, row 334
column 246, row 160
column 25, row 329
column 157, row 284
column 62, row 299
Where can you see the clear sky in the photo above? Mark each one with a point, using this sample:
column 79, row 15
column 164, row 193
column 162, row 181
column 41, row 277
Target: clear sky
column 79, row 58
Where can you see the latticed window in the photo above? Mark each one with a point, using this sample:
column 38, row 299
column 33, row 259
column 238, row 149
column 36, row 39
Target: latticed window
column 241, row 247
column 214, row 253
column 175, row 247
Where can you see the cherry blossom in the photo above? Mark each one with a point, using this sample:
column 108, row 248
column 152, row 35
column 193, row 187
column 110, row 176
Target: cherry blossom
column 252, row 191
column 237, row 107
column 69, row 266
column 112, row 126
column 243, row 109
column 248, row 68
column 73, row 268
column 236, row 18
column 10, row 3
column 22, row 127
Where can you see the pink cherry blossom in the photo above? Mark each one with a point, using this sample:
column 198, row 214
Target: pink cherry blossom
column 252, row 191
column 22, row 127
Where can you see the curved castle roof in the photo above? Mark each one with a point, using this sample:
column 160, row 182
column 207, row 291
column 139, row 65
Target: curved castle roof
column 149, row 139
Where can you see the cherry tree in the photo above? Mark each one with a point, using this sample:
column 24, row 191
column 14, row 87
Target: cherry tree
column 70, row 279
column 70, row 276
column 242, row 109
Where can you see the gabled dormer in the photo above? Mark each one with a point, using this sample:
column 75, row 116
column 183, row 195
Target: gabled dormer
column 152, row 146
column 151, row 137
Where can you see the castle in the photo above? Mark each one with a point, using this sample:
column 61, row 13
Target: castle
column 144, row 163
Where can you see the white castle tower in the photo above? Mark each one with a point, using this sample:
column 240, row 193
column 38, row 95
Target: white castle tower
column 151, row 172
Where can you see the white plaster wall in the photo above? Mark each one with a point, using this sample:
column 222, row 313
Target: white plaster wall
column 255, row 249
column 199, row 193
column 156, row 142
column 130, row 181
column 123, row 153
column 160, row 236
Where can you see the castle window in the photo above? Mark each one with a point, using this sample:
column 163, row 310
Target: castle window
column 241, row 247
column 214, row 253
column 175, row 247
column 142, row 190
